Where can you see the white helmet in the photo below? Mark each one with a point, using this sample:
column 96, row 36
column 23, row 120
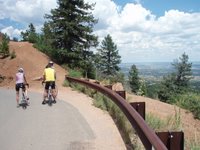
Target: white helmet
column 21, row 70
column 51, row 62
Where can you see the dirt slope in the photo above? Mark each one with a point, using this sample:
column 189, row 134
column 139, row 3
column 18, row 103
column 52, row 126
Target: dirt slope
column 34, row 62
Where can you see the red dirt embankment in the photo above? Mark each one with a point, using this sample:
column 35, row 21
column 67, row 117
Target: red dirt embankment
column 33, row 62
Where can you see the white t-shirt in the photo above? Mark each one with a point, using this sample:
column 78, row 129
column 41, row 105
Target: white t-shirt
column 19, row 77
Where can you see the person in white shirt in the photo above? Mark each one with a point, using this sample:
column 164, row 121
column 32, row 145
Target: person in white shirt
column 20, row 83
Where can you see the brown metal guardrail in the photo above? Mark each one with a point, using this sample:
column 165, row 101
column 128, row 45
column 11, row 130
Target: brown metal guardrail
column 148, row 137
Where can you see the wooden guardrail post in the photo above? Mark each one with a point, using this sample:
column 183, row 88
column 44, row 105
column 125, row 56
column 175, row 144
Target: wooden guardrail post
column 121, row 93
column 139, row 107
column 109, row 86
column 172, row 140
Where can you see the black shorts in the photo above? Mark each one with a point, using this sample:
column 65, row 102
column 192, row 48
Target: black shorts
column 48, row 83
column 18, row 86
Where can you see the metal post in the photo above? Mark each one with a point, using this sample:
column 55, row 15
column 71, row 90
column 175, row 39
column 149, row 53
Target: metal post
column 139, row 107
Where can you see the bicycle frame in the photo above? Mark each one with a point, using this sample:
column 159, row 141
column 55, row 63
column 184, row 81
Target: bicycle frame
column 24, row 102
column 50, row 96
column 49, row 92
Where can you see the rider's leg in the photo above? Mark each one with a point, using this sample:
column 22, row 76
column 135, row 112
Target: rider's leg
column 25, row 93
column 44, row 96
column 54, row 95
column 17, row 97
column 17, row 94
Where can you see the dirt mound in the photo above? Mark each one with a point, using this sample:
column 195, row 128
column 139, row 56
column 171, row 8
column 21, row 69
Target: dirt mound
column 33, row 62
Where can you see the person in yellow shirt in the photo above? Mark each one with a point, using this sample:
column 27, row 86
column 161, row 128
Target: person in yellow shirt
column 49, row 78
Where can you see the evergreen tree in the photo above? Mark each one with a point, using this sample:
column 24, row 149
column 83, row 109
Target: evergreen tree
column 142, row 89
column 4, row 47
column 134, row 79
column 30, row 34
column 183, row 72
column 44, row 41
column 178, row 81
column 71, row 26
column 109, row 59
column 168, row 88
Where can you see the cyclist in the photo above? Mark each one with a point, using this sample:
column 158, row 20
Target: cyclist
column 49, row 78
column 20, row 83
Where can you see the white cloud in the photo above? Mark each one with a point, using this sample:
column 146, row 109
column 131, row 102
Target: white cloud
column 24, row 11
column 139, row 34
column 11, row 32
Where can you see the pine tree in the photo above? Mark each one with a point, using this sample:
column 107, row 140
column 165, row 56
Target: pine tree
column 4, row 47
column 71, row 25
column 134, row 79
column 30, row 34
column 183, row 72
column 178, row 81
column 108, row 56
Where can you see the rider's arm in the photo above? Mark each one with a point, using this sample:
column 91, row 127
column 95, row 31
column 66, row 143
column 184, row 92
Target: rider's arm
column 55, row 75
column 25, row 81
column 16, row 78
column 44, row 77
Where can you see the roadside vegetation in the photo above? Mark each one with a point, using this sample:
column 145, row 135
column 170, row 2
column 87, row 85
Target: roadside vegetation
column 4, row 47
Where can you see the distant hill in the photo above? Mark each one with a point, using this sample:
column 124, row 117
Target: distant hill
column 156, row 68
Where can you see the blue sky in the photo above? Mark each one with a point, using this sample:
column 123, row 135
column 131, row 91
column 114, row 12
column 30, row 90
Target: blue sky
column 143, row 30
column 159, row 7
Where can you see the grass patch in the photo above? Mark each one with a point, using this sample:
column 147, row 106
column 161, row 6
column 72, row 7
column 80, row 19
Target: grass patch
column 171, row 123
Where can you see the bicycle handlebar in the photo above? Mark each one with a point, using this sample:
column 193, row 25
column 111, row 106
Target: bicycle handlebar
column 27, row 85
column 43, row 82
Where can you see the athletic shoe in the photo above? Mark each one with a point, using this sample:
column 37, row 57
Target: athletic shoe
column 44, row 102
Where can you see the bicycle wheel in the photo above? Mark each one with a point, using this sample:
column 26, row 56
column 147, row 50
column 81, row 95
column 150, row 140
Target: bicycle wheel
column 56, row 90
column 50, row 100
column 23, row 102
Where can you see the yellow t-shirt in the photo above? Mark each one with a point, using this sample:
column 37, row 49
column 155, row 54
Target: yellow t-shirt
column 49, row 74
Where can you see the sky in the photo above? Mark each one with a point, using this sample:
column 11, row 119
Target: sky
column 143, row 30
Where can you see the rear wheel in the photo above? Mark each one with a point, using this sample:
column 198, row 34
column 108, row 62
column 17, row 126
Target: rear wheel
column 56, row 91
column 50, row 100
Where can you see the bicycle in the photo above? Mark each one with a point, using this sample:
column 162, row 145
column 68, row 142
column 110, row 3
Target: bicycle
column 50, row 98
column 24, row 99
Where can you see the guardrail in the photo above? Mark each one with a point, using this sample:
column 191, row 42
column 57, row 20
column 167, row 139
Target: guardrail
column 148, row 137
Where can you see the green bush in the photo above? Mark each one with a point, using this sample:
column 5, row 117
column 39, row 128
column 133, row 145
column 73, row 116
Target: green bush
column 191, row 102
column 4, row 48
column 75, row 73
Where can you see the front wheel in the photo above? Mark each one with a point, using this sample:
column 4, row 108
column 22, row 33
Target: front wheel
column 50, row 100
column 56, row 90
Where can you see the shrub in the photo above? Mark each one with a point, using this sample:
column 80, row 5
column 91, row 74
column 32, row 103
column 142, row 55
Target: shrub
column 191, row 102
column 12, row 55
column 4, row 48
column 75, row 73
